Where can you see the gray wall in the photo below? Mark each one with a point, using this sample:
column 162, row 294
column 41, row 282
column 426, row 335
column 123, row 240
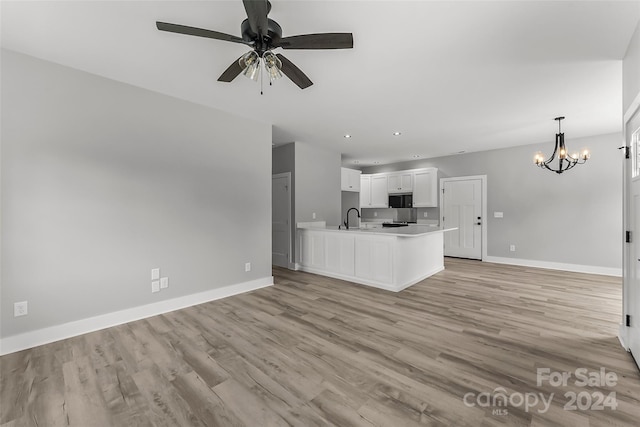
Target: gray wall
column 631, row 71
column 315, row 175
column 102, row 181
column 573, row 218
column 317, row 184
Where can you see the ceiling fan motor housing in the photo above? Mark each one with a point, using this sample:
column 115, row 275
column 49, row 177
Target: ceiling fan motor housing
column 274, row 35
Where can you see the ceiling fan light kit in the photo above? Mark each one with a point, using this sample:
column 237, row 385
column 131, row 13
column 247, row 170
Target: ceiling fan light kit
column 250, row 63
column 263, row 35
column 564, row 161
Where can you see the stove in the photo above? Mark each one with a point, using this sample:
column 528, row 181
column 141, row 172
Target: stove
column 395, row 224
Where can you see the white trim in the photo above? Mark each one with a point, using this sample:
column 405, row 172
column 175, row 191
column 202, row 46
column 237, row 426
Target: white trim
column 635, row 104
column 577, row 268
column 622, row 336
column 50, row 334
column 485, row 219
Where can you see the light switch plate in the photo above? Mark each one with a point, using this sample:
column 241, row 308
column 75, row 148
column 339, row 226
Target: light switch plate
column 164, row 283
column 498, row 215
column 155, row 274
column 155, row 286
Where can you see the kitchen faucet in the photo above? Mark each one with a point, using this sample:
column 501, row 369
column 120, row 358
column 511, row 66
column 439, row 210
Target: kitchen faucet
column 346, row 223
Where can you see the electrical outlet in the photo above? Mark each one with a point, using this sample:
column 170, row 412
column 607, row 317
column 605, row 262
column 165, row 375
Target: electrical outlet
column 247, row 266
column 155, row 286
column 512, row 248
column 313, row 215
column 164, row 283
column 498, row 214
column 20, row 309
column 155, row 274
column 375, row 214
column 425, row 215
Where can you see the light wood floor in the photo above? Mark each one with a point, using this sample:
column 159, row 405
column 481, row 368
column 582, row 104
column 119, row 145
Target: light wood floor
column 313, row 351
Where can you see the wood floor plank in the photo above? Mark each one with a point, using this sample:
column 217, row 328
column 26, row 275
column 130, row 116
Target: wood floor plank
column 316, row 351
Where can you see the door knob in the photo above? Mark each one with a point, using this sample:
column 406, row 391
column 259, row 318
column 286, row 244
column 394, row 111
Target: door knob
column 478, row 223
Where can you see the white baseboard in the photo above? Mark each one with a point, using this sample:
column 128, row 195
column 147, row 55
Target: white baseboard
column 51, row 334
column 622, row 336
column 577, row 268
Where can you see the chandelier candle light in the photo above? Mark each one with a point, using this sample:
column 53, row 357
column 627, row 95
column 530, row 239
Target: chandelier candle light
column 565, row 161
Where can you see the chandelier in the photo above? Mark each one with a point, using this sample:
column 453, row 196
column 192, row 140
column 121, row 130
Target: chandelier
column 564, row 161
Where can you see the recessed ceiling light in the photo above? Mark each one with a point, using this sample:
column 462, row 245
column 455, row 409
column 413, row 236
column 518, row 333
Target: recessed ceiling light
column 347, row 135
column 397, row 133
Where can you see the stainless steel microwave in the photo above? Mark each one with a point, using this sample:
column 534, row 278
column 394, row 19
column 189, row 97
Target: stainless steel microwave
column 401, row 201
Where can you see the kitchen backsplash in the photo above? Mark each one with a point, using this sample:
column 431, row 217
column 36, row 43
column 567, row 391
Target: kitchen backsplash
column 391, row 214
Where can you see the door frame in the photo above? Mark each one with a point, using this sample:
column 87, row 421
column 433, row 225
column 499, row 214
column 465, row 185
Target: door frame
column 287, row 175
column 627, row 262
column 483, row 179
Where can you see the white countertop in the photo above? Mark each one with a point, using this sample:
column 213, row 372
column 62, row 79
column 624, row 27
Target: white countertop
column 412, row 230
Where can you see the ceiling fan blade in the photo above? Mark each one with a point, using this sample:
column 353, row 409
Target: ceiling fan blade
column 193, row 31
column 318, row 41
column 232, row 72
column 294, row 73
column 257, row 11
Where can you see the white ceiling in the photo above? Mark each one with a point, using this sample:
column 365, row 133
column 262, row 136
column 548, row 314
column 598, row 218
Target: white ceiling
column 449, row 75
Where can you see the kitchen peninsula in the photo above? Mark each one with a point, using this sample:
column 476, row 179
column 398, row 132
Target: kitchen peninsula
column 387, row 258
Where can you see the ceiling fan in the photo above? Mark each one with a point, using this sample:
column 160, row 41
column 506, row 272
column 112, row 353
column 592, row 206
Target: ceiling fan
column 263, row 35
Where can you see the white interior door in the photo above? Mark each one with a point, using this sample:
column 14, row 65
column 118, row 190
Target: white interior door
column 462, row 208
column 633, row 223
column 281, row 219
column 634, row 289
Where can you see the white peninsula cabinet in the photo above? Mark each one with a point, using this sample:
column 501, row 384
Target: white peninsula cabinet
column 373, row 191
column 386, row 258
column 425, row 188
column 350, row 179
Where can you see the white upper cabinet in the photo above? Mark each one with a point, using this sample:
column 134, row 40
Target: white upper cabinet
column 350, row 179
column 425, row 188
column 365, row 191
column 379, row 192
column 373, row 191
column 400, row 182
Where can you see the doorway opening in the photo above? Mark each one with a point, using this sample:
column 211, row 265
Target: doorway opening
column 281, row 219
